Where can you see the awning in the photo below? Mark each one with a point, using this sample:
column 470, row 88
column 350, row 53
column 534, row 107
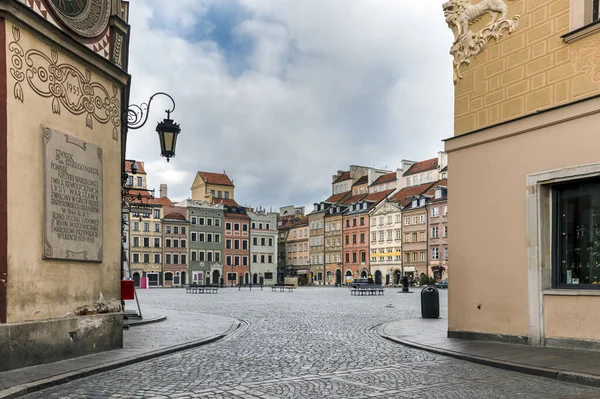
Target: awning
column 302, row 271
column 409, row 269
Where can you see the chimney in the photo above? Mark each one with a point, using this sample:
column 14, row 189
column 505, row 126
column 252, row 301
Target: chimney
column 442, row 160
column 163, row 191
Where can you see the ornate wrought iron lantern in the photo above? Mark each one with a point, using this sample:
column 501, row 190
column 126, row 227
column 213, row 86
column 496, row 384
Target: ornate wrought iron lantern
column 137, row 116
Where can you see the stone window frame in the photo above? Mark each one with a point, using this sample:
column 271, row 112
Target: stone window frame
column 581, row 22
column 539, row 225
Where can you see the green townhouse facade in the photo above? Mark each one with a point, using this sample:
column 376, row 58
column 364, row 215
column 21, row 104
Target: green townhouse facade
column 206, row 243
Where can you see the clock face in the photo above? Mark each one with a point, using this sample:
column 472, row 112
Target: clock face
column 87, row 18
column 71, row 8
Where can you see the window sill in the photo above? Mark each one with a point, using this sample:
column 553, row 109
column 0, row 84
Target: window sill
column 571, row 292
column 583, row 32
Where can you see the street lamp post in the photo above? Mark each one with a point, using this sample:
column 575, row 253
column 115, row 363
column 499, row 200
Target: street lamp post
column 135, row 117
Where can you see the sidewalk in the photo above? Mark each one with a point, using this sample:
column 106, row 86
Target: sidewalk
column 140, row 342
column 571, row 365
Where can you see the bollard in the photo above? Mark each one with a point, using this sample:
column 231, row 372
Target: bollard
column 405, row 284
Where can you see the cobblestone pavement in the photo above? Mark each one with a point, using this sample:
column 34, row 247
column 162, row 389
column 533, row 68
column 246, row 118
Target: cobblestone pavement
column 312, row 343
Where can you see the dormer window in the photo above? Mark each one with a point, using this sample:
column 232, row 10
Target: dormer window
column 414, row 203
column 422, row 202
column 365, row 205
column 338, row 208
column 408, row 182
column 438, row 193
column 316, row 207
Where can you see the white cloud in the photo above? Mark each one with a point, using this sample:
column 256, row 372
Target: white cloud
column 282, row 93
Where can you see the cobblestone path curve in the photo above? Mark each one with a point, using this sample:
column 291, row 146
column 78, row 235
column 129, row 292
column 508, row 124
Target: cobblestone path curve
column 312, row 343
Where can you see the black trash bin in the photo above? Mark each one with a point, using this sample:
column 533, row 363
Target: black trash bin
column 430, row 303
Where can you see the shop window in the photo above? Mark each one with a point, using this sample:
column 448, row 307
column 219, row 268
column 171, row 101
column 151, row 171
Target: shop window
column 576, row 240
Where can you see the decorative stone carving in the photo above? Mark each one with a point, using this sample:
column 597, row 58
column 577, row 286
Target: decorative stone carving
column 460, row 14
column 68, row 87
column 87, row 18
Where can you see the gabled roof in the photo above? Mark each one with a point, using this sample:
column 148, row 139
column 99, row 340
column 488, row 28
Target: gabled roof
column 140, row 165
column 135, row 192
column 404, row 196
column 175, row 216
column 354, row 199
column 431, row 191
column 377, row 197
column 422, row 166
column 337, row 197
column 362, row 180
column 344, row 176
column 225, row 201
column 220, row 179
column 385, row 178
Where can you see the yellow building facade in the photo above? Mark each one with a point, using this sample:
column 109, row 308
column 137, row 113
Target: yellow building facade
column 525, row 199
column 64, row 87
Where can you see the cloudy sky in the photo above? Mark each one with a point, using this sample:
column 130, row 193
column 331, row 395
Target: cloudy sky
column 281, row 94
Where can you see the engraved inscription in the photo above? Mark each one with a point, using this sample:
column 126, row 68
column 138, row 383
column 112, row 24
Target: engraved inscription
column 73, row 198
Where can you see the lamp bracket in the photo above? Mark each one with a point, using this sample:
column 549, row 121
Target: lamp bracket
column 136, row 116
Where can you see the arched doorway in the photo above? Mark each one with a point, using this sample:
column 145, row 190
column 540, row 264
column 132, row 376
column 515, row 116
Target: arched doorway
column 183, row 279
column 387, row 278
column 168, row 279
column 215, row 277
column 255, row 278
column 397, row 277
column 363, row 274
column 338, row 277
column 377, row 277
column 246, row 278
column 136, row 279
column 348, row 276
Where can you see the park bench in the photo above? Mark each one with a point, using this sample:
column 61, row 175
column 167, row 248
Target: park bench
column 249, row 286
column 283, row 287
column 366, row 291
column 202, row 289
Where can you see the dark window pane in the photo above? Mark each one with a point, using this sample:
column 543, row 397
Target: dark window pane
column 578, row 229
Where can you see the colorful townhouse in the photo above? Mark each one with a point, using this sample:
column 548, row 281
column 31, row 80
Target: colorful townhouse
column 438, row 230
column 333, row 238
column 175, row 238
column 146, row 237
column 386, row 242
column 206, row 241
column 237, row 244
column 263, row 247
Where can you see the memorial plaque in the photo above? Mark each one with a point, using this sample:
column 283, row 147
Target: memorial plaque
column 72, row 198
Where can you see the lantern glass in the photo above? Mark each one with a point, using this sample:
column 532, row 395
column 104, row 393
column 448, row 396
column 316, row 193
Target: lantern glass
column 167, row 134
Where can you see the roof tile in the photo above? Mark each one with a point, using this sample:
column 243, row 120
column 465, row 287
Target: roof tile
column 220, row 179
column 422, row 166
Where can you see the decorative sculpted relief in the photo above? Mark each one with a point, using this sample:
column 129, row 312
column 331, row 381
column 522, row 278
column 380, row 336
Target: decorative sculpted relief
column 68, row 87
column 88, row 18
column 461, row 14
column 585, row 56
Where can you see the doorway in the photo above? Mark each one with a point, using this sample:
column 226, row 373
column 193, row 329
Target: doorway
column 363, row 274
column 377, row 277
column 183, row 278
column 255, row 278
column 338, row 277
column 215, row 277
column 136, row 279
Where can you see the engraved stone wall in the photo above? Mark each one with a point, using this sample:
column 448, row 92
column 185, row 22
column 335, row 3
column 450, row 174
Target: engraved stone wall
column 72, row 198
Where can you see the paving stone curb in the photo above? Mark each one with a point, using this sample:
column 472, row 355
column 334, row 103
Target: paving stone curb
column 23, row 389
column 566, row 376
column 135, row 323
